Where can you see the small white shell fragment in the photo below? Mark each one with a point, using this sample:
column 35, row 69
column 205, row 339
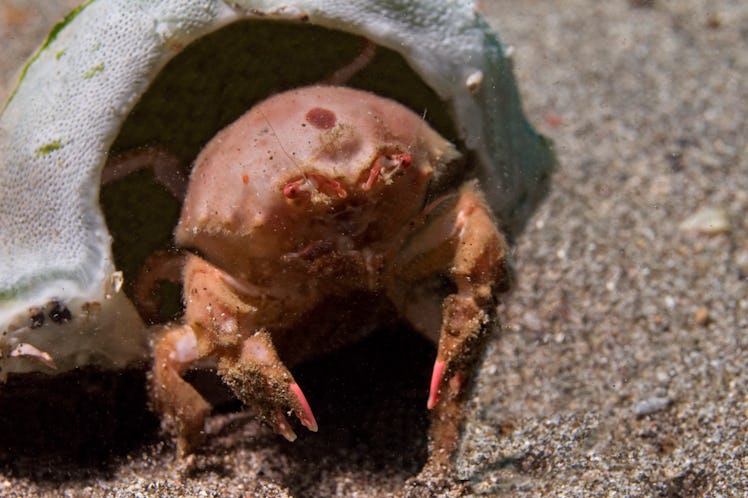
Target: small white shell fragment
column 651, row 405
column 117, row 280
column 76, row 92
column 707, row 221
column 474, row 81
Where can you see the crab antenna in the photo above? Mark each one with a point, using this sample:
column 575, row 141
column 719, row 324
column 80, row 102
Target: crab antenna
column 418, row 129
column 277, row 138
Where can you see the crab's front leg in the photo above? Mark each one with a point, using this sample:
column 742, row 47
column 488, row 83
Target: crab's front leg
column 459, row 238
column 180, row 405
column 223, row 324
column 260, row 379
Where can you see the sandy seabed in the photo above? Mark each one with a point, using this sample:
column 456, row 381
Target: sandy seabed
column 620, row 367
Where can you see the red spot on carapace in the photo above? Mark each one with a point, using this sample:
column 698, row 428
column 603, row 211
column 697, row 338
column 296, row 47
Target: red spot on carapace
column 321, row 118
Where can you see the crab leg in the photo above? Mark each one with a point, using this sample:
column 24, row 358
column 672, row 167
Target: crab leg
column 167, row 169
column 226, row 313
column 458, row 234
column 174, row 351
column 363, row 59
column 480, row 270
column 160, row 266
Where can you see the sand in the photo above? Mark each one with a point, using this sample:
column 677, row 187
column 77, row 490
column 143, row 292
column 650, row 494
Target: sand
column 620, row 367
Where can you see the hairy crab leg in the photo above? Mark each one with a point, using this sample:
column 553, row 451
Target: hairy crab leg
column 222, row 326
column 174, row 351
column 480, row 270
column 458, row 235
column 260, row 379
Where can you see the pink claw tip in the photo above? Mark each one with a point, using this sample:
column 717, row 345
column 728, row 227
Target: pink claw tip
column 306, row 417
column 436, row 380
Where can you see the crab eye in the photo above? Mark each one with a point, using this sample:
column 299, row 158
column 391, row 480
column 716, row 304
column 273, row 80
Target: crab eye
column 292, row 190
column 403, row 159
column 386, row 166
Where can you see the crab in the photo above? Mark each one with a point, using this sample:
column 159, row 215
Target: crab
column 311, row 196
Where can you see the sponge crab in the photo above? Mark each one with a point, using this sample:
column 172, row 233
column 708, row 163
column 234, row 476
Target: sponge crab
column 344, row 191
column 312, row 195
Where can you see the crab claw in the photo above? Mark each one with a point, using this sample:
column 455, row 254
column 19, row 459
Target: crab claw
column 437, row 377
column 261, row 380
column 436, row 382
column 280, row 424
column 306, row 417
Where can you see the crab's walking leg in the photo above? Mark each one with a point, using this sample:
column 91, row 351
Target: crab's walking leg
column 171, row 395
column 167, row 169
column 161, row 266
column 458, row 236
column 344, row 74
column 480, row 270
